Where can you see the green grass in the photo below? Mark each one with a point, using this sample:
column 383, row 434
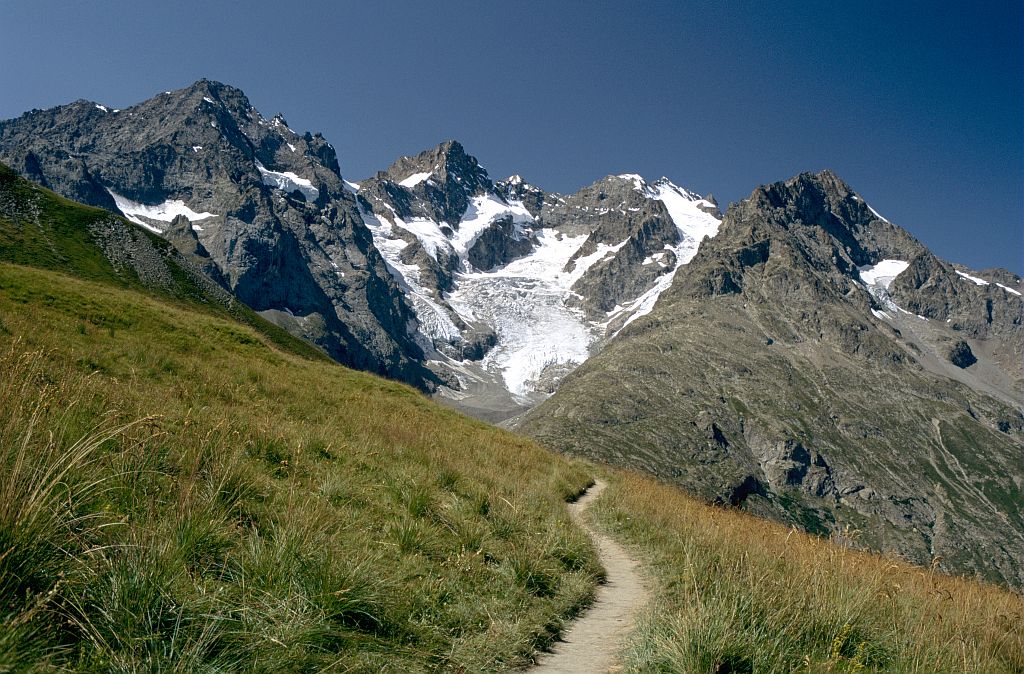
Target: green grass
column 733, row 593
column 52, row 232
column 178, row 493
column 185, row 487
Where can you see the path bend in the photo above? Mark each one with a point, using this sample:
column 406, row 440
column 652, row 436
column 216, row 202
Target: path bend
column 593, row 641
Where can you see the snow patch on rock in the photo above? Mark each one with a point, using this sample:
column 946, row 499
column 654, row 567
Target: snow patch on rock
column 878, row 277
column 975, row 279
column 982, row 282
column 434, row 321
column 693, row 223
column 287, row 181
column 482, row 211
column 883, row 273
column 415, row 179
column 145, row 214
column 876, row 213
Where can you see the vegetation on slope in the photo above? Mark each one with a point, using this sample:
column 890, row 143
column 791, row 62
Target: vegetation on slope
column 178, row 493
column 734, row 593
column 41, row 229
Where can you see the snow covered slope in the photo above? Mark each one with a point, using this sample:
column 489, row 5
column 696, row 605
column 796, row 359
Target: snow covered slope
column 145, row 215
column 510, row 293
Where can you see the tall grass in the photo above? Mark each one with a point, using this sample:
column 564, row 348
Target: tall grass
column 171, row 500
column 45, row 486
column 738, row 594
column 178, row 493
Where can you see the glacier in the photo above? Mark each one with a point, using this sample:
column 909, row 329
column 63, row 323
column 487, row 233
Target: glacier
column 526, row 302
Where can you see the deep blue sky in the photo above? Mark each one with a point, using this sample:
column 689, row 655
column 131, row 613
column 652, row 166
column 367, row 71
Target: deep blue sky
column 917, row 105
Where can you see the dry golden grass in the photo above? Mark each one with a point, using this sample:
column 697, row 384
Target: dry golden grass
column 736, row 593
column 270, row 513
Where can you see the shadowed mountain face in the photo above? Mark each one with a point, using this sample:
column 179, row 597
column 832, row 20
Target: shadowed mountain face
column 266, row 206
column 40, row 229
column 808, row 365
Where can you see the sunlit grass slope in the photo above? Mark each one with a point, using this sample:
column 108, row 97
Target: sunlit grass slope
column 185, row 487
column 177, row 493
column 734, row 593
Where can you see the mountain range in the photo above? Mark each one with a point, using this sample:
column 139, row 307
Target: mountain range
column 816, row 364
column 799, row 356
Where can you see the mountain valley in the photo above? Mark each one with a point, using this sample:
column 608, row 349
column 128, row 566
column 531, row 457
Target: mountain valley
column 798, row 356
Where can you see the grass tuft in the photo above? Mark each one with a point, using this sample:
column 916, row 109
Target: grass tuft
column 738, row 594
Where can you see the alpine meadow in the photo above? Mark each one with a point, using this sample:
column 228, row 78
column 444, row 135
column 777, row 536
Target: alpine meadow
column 456, row 383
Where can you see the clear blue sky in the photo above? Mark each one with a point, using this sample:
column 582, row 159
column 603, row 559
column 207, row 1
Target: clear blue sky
column 917, row 105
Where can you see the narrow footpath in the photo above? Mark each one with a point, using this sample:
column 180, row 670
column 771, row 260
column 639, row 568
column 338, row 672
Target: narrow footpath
column 592, row 643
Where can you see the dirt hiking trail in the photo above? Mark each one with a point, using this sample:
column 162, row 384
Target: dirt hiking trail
column 592, row 643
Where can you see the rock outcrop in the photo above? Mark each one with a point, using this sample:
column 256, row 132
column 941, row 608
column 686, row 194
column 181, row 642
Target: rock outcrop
column 267, row 206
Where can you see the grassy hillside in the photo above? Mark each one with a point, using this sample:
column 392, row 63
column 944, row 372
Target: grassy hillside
column 179, row 493
column 183, row 491
column 41, row 229
column 738, row 594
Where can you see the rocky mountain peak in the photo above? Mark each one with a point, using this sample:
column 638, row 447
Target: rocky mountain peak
column 201, row 99
column 516, row 185
column 811, row 241
column 448, row 164
column 517, row 188
column 226, row 94
column 436, row 184
column 810, row 195
column 834, row 213
column 257, row 205
column 212, row 88
column 455, row 159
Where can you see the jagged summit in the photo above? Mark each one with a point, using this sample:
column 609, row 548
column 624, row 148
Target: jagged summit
column 267, row 205
column 447, row 158
column 823, row 201
column 201, row 98
column 442, row 179
column 533, row 198
column 216, row 92
column 813, row 241
column 210, row 87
